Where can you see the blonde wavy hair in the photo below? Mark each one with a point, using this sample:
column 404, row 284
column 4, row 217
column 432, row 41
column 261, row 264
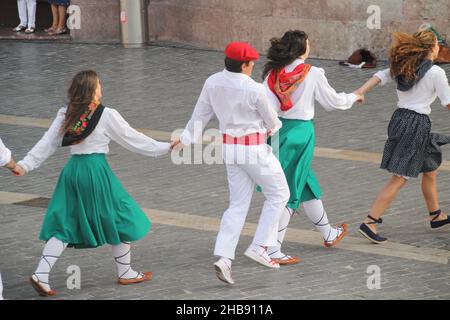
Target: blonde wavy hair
column 408, row 51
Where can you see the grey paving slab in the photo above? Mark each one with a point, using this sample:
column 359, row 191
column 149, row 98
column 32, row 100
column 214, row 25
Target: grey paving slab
column 156, row 88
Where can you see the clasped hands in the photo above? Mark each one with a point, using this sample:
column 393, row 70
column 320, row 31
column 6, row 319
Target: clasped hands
column 16, row 170
column 360, row 96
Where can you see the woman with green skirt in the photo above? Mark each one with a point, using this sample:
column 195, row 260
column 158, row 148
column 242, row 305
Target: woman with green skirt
column 292, row 87
column 89, row 206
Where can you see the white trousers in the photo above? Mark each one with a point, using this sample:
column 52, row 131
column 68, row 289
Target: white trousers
column 27, row 13
column 247, row 166
column 1, row 287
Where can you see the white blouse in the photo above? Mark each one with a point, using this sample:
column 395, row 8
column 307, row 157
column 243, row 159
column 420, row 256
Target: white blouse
column 111, row 126
column 315, row 87
column 420, row 97
column 239, row 103
column 5, row 154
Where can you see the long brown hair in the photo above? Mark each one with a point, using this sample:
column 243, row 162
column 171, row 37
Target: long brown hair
column 80, row 94
column 408, row 51
column 285, row 50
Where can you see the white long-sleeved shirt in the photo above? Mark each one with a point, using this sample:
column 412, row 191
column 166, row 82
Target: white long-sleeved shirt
column 420, row 97
column 315, row 87
column 5, row 154
column 111, row 126
column 239, row 103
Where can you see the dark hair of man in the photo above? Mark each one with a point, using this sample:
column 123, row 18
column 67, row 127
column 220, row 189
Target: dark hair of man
column 234, row 65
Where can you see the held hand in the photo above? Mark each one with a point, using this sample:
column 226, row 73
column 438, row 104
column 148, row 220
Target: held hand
column 18, row 171
column 176, row 145
column 360, row 96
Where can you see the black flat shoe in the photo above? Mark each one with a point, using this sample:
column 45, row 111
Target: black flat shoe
column 369, row 234
column 438, row 224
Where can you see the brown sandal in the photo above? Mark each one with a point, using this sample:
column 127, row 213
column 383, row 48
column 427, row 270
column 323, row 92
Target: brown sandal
column 287, row 260
column 39, row 289
column 333, row 243
column 141, row 277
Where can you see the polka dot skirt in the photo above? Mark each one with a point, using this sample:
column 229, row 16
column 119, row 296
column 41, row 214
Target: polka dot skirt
column 411, row 148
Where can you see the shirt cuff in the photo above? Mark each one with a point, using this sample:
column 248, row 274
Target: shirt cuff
column 380, row 75
column 164, row 148
column 446, row 102
column 25, row 167
column 277, row 127
column 185, row 138
column 352, row 98
column 6, row 158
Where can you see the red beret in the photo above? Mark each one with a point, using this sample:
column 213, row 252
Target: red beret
column 241, row 51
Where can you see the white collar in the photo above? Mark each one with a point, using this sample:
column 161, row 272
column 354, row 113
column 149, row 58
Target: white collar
column 235, row 74
column 290, row 67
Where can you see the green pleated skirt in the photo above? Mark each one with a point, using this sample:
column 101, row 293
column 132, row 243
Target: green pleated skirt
column 294, row 147
column 90, row 207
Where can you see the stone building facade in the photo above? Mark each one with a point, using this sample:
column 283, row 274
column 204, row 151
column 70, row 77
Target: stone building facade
column 336, row 27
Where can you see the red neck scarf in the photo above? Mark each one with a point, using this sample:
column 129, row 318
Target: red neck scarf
column 283, row 83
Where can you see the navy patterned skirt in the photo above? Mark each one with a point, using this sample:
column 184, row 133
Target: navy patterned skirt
column 411, row 148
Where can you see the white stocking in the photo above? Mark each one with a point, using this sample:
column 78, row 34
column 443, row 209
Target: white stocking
column 52, row 251
column 122, row 256
column 1, row 287
column 316, row 213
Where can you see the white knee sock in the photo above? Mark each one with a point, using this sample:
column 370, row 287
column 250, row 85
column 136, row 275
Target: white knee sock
column 122, row 256
column 316, row 213
column 275, row 252
column 52, row 251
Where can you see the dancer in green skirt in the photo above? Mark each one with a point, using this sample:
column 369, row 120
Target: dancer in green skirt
column 293, row 86
column 89, row 206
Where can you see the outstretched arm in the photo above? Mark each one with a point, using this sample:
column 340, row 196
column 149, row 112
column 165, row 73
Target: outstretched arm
column 203, row 112
column 5, row 156
column 369, row 85
column 380, row 78
column 7, row 161
column 120, row 131
column 329, row 98
column 46, row 146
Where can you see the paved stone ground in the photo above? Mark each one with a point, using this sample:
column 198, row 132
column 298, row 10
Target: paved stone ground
column 156, row 88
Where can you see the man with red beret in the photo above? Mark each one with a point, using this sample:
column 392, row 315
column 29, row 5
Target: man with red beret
column 245, row 119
